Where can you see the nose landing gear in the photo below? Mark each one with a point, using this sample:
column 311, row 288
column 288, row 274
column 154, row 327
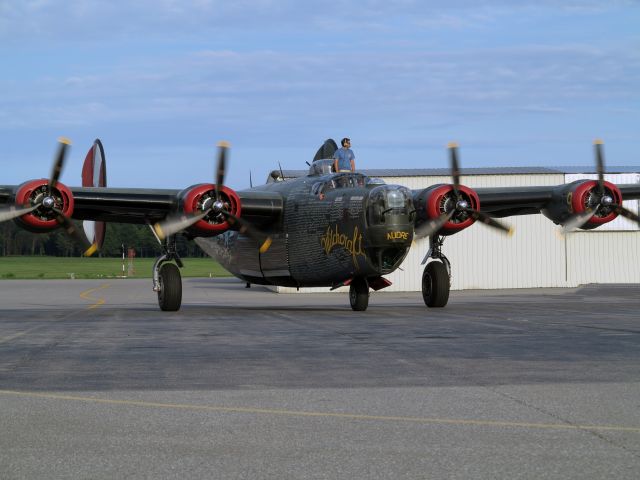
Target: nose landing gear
column 359, row 294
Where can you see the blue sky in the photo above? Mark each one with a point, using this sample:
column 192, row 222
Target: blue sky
column 160, row 82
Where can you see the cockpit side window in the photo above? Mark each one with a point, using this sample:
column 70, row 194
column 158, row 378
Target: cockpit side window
column 338, row 181
column 349, row 180
column 328, row 186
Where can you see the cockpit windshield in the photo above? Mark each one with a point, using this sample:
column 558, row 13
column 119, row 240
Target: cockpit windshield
column 346, row 180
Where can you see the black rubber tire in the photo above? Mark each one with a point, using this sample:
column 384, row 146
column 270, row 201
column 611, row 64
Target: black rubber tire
column 359, row 294
column 170, row 294
column 435, row 285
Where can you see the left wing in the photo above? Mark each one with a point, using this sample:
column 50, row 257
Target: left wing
column 449, row 208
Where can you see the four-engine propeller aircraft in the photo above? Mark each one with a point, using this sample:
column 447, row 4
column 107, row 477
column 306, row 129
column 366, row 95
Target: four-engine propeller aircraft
column 324, row 229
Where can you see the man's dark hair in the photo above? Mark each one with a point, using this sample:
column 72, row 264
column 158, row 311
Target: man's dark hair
column 344, row 140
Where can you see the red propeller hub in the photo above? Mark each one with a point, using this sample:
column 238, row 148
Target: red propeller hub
column 442, row 199
column 201, row 197
column 35, row 192
column 586, row 196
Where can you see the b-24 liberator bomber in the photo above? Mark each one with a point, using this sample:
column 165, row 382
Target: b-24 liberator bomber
column 325, row 229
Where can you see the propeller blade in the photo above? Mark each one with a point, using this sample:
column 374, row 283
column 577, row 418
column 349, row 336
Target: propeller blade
column 75, row 234
column 597, row 144
column 620, row 210
column 264, row 240
column 58, row 163
column 490, row 222
column 577, row 220
column 13, row 212
column 455, row 168
column 432, row 226
column 223, row 147
column 173, row 225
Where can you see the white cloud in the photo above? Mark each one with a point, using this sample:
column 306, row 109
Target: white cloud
column 246, row 87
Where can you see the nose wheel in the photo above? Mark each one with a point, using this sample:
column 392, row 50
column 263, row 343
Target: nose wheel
column 359, row 294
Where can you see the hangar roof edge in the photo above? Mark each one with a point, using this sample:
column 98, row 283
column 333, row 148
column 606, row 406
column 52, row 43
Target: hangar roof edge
column 430, row 172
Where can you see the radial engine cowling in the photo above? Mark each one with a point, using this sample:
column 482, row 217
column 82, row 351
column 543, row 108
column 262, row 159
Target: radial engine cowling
column 199, row 198
column 434, row 201
column 43, row 219
column 576, row 197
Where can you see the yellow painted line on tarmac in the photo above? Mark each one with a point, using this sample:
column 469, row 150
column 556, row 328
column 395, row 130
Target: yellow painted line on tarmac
column 342, row 416
column 86, row 295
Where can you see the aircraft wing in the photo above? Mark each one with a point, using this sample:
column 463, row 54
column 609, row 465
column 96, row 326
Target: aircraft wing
column 137, row 205
column 504, row 202
column 140, row 205
column 449, row 208
column 200, row 210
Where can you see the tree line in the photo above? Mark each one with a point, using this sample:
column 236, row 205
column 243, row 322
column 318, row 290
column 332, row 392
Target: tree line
column 17, row 241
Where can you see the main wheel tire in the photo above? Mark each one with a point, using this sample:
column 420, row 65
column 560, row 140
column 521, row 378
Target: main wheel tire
column 170, row 293
column 359, row 294
column 435, row 285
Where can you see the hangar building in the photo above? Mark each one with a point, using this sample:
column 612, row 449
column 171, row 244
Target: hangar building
column 536, row 255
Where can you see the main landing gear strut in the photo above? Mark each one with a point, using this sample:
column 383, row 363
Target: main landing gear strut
column 167, row 281
column 436, row 277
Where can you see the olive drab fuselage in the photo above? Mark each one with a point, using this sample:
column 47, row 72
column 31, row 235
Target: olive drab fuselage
column 333, row 227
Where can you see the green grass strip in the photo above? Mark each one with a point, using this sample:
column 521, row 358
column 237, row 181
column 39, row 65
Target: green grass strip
column 81, row 268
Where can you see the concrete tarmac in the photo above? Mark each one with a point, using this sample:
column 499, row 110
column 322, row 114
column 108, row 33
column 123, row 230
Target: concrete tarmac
column 97, row 382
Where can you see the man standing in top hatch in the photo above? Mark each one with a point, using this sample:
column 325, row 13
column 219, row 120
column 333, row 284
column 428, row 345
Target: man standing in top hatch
column 344, row 159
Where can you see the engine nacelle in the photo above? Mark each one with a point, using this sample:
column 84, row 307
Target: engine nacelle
column 198, row 198
column 576, row 197
column 433, row 201
column 42, row 220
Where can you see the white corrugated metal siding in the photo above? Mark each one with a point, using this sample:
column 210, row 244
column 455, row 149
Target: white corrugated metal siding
column 610, row 253
column 603, row 257
column 484, row 258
